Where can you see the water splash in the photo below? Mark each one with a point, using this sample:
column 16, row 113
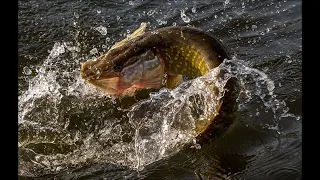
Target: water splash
column 184, row 17
column 102, row 30
column 169, row 118
column 55, row 96
column 226, row 2
column 76, row 123
column 52, row 77
column 26, row 70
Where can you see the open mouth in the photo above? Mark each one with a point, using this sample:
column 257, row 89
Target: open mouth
column 112, row 86
column 108, row 85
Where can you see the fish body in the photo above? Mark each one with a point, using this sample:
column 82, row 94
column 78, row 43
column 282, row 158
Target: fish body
column 189, row 51
column 141, row 60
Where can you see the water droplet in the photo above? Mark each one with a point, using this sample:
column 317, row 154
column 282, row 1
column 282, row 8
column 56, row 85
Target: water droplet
column 184, row 17
column 267, row 30
column 174, row 24
column 76, row 15
column 102, row 30
column 118, row 18
column 253, row 27
column 216, row 16
column 98, row 11
column 243, row 5
column 196, row 146
column 131, row 3
column 94, row 51
column 161, row 22
column 26, row 70
column 151, row 12
column 226, row 3
column 194, row 9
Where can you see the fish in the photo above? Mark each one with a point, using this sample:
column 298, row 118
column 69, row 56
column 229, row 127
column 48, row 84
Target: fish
column 145, row 59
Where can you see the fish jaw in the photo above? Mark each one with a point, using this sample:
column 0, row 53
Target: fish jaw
column 112, row 86
column 107, row 85
column 122, row 84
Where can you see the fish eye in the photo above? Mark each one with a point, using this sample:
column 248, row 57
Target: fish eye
column 117, row 67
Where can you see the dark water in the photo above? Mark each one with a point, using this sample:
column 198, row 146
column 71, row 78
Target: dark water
column 69, row 130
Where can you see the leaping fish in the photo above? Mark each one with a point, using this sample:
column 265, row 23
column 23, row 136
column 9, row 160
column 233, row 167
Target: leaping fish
column 141, row 60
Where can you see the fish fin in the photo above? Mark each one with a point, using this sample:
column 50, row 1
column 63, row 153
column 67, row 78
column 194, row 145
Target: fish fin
column 173, row 81
column 141, row 30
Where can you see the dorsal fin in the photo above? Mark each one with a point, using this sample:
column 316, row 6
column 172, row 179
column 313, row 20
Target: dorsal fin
column 141, row 30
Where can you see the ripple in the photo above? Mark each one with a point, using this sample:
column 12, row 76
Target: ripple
column 281, row 163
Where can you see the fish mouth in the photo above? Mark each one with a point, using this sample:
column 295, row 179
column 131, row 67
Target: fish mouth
column 108, row 85
column 95, row 70
column 114, row 87
column 106, row 81
column 86, row 70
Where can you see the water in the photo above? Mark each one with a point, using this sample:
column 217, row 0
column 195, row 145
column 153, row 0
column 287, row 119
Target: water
column 69, row 129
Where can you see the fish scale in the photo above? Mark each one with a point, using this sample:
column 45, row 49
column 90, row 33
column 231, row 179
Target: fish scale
column 184, row 59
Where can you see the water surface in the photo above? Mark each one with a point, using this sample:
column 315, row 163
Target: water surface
column 69, row 129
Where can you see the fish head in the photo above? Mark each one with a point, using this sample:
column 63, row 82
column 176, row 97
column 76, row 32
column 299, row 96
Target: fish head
column 120, row 77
